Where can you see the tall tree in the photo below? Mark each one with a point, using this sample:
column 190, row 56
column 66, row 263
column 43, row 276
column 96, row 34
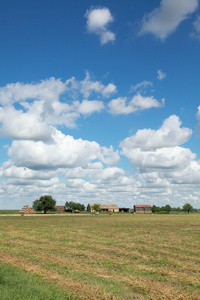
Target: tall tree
column 187, row 207
column 45, row 203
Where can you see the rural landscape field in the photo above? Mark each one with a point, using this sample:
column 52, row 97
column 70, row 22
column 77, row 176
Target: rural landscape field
column 120, row 256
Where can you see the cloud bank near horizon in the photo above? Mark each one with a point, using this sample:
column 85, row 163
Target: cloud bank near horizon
column 43, row 159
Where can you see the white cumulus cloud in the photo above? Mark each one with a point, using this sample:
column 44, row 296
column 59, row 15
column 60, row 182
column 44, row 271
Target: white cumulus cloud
column 159, row 156
column 64, row 152
column 88, row 107
column 46, row 90
column 162, row 159
column 98, row 21
column 170, row 134
column 137, row 103
column 164, row 20
column 49, row 103
column 26, row 126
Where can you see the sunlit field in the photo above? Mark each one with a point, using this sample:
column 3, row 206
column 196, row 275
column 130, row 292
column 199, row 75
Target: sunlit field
column 107, row 256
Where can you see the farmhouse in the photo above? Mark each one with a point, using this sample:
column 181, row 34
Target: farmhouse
column 104, row 207
column 142, row 209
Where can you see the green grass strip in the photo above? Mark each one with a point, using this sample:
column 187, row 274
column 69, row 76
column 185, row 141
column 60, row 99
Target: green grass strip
column 18, row 285
column 9, row 211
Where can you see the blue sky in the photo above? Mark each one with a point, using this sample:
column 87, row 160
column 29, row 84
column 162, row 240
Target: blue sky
column 100, row 102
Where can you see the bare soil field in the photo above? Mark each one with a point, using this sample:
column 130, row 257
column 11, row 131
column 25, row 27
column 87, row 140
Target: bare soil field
column 108, row 257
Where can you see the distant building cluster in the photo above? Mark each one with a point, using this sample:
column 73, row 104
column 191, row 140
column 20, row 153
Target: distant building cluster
column 138, row 209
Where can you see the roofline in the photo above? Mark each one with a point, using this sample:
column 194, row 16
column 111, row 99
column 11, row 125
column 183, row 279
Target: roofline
column 140, row 205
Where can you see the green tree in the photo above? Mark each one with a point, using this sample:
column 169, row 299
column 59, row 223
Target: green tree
column 45, row 203
column 187, row 207
column 155, row 208
column 167, row 208
column 74, row 205
column 178, row 209
column 96, row 207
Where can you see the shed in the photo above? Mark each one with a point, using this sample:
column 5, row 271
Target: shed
column 143, row 209
column 104, row 207
column 124, row 209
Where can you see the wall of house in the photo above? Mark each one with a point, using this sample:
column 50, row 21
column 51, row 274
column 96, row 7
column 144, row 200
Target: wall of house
column 89, row 208
column 60, row 208
column 143, row 210
column 148, row 210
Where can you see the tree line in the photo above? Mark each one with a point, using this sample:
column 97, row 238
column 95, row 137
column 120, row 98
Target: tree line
column 167, row 208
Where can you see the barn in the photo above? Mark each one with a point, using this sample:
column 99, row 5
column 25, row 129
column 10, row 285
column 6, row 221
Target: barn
column 142, row 209
column 60, row 208
column 104, row 207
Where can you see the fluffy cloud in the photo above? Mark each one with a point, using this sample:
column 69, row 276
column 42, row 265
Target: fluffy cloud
column 189, row 176
column 138, row 102
column 63, row 152
column 164, row 20
column 29, row 110
column 165, row 158
column 88, row 107
column 98, row 21
column 51, row 90
column 9, row 170
column 169, row 135
column 26, row 126
column 46, row 90
column 159, row 148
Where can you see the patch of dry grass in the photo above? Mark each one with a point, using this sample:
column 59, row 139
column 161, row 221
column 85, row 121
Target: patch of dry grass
column 109, row 257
